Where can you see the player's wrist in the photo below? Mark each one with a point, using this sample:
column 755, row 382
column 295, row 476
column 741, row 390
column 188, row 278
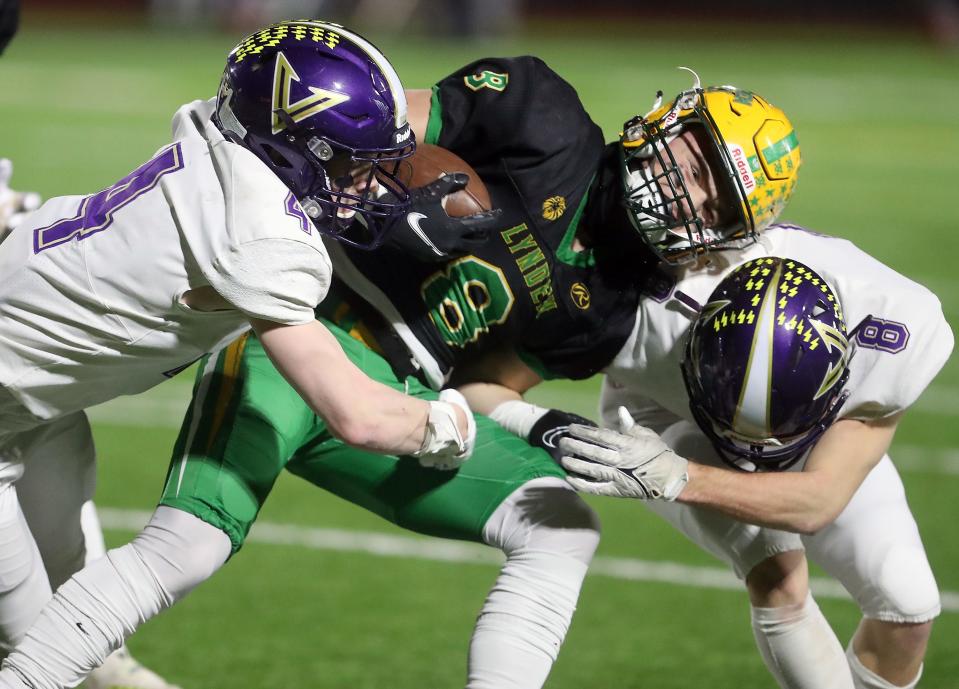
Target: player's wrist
column 540, row 427
column 695, row 476
column 518, row 417
column 442, row 438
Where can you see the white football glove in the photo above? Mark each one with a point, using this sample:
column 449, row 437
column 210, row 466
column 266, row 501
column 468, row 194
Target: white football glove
column 635, row 463
column 444, row 447
column 14, row 205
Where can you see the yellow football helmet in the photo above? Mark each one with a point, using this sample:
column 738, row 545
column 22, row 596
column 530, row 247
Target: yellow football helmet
column 751, row 150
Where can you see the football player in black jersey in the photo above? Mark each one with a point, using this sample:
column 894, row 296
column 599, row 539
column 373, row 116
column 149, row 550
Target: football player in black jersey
column 552, row 292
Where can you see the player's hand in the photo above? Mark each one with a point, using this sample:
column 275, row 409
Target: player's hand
column 450, row 432
column 552, row 427
column 14, row 205
column 634, row 463
column 428, row 234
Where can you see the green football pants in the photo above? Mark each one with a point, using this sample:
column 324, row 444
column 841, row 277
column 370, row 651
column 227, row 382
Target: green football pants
column 246, row 424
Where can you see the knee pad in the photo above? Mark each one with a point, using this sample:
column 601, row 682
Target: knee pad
column 545, row 514
column 904, row 589
column 874, row 548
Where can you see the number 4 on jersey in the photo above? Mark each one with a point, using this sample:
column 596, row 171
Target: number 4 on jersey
column 96, row 211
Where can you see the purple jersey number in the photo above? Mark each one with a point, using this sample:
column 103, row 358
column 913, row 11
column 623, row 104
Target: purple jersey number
column 96, row 211
column 886, row 336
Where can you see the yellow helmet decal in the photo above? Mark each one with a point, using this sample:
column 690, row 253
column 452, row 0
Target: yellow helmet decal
column 283, row 76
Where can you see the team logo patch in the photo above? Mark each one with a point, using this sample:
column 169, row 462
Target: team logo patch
column 554, row 207
column 580, row 295
column 320, row 99
column 552, row 437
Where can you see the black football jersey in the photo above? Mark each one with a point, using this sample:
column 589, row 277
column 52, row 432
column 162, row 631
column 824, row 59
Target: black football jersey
column 566, row 312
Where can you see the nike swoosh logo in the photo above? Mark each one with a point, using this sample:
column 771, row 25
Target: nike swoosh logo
column 413, row 219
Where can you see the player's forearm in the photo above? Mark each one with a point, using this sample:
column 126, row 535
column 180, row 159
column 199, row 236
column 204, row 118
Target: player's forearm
column 360, row 411
column 379, row 419
column 485, row 397
column 804, row 501
column 364, row 413
column 790, row 501
column 498, row 376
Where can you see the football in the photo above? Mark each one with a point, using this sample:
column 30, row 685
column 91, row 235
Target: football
column 431, row 162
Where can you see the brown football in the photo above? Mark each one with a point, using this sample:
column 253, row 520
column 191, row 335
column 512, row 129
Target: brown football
column 432, row 162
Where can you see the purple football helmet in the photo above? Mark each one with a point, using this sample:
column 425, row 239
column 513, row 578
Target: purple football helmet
column 766, row 362
column 325, row 110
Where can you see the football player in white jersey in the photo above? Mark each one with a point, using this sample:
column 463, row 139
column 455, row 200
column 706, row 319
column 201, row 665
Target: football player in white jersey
column 805, row 412
column 110, row 294
column 121, row 669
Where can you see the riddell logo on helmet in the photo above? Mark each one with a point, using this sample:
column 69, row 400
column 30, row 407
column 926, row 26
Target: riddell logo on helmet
column 671, row 117
column 743, row 171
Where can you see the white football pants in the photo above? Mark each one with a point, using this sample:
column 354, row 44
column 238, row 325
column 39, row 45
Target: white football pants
column 46, row 475
column 548, row 533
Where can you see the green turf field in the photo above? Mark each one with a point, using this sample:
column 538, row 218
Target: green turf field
column 328, row 596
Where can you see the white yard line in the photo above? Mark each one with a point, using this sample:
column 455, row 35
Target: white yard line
column 438, row 550
column 164, row 406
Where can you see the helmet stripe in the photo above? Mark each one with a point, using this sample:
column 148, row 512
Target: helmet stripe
column 379, row 59
column 781, row 148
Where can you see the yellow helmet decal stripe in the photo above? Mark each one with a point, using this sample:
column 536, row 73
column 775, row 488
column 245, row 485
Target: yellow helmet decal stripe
column 832, row 338
column 781, row 148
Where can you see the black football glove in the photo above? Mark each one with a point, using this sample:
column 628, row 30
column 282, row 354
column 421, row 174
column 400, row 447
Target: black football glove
column 554, row 425
column 426, row 233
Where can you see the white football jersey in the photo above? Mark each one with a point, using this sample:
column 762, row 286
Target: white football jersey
column 91, row 287
column 901, row 345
